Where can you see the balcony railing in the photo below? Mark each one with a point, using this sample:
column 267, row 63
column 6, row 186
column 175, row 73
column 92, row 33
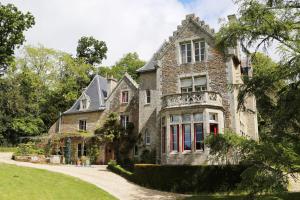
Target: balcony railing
column 191, row 99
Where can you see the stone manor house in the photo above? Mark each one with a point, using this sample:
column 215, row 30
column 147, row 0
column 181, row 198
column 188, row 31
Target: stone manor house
column 184, row 94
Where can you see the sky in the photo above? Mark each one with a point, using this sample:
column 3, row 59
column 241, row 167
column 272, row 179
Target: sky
column 125, row 25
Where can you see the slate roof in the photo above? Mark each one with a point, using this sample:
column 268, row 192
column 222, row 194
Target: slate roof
column 96, row 92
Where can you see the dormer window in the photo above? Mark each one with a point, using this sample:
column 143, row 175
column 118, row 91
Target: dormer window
column 84, row 102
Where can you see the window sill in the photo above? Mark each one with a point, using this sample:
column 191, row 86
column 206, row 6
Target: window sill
column 148, row 144
column 124, row 103
column 173, row 152
column 187, row 152
column 199, row 151
column 147, row 104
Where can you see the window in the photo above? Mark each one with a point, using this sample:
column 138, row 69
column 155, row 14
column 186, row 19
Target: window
column 124, row 120
column 174, row 145
column 136, row 150
column 200, row 83
column 199, row 50
column 186, row 118
column 198, row 117
column 147, row 137
column 199, row 136
column 124, row 98
column 175, row 118
column 82, row 125
column 213, row 116
column 163, row 139
column 148, row 96
column 186, row 85
column 79, row 150
column 84, row 104
column 196, row 84
column 213, row 129
column 186, row 137
column 186, row 52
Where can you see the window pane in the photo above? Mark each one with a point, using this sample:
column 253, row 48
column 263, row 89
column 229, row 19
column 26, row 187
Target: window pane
column 175, row 118
column 187, row 136
column 163, row 135
column 198, row 117
column 183, row 53
column 200, row 80
column 189, row 52
column 202, row 50
column 174, row 137
column 186, row 118
column 186, row 82
column 199, row 136
column 213, row 116
column 197, row 53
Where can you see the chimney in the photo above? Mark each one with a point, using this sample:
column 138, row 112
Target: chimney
column 111, row 84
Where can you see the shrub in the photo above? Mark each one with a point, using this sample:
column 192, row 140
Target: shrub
column 114, row 167
column 188, row 179
column 29, row 148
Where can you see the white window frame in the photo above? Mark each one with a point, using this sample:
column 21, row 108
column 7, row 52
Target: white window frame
column 82, row 127
column 123, row 92
column 148, row 96
column 201, row 50
column 198, row 47
column 125, row 122
column 184, row 58
column 147, row 137
column 193, row 87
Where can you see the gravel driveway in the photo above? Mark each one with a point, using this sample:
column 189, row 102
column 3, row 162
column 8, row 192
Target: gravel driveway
column 101, row 177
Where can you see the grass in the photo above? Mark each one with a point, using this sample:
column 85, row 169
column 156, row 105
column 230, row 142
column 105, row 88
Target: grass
column 284, row 196
column 36, row 184
column 8, row 149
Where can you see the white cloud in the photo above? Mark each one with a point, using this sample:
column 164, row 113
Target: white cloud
column 126, row 26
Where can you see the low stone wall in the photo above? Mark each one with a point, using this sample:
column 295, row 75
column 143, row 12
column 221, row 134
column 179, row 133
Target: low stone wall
column 32, row 159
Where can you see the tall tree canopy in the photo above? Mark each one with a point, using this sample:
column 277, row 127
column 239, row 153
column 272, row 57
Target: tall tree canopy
column 276, row 86
column 129, row 63
column 13, row 23
column 92, row 50
column 39, row 85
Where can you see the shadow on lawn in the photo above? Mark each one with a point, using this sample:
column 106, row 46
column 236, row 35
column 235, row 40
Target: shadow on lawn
column 284, row 196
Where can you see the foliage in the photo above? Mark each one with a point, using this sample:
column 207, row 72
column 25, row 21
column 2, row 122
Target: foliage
column 114, row 167
column 12, row 27
column 275, row 85
column 91, row 50
column 129, row 63
column 33, row 184
column 183, row 178
column 38, row 86
column 148, row 156
column 8, row 149
column 29, row 148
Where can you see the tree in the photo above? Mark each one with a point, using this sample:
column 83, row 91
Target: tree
column 13, row 23
column 129, row 63
column 276, row 87
column 92, row 50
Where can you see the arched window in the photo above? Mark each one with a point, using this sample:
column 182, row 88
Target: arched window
column 147, row 137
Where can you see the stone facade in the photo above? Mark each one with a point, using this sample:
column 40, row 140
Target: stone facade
column 173, row 119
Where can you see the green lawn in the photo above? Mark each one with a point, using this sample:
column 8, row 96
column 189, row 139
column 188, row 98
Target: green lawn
column 35, row 184
column 285, row 196
column 8, row 149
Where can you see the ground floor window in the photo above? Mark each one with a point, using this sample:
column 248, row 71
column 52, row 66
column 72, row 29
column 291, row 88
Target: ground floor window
column 213, row 129
column 174, row 143
column 163, row 140
column 199, row 136
column 79, row 150
column 186, row 137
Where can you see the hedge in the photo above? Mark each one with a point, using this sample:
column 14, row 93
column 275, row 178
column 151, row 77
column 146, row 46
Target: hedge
column 184, row 178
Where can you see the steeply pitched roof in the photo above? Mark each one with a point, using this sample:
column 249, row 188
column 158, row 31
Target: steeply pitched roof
column 191, row 18
column 95, row 92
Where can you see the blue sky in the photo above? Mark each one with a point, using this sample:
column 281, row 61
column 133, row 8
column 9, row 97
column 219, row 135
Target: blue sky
column 125, row 25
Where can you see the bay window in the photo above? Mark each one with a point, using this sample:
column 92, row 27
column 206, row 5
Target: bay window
column 163, row 139
column 199, row 136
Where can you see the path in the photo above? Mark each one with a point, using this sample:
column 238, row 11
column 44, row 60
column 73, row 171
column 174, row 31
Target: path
column 101, row 177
